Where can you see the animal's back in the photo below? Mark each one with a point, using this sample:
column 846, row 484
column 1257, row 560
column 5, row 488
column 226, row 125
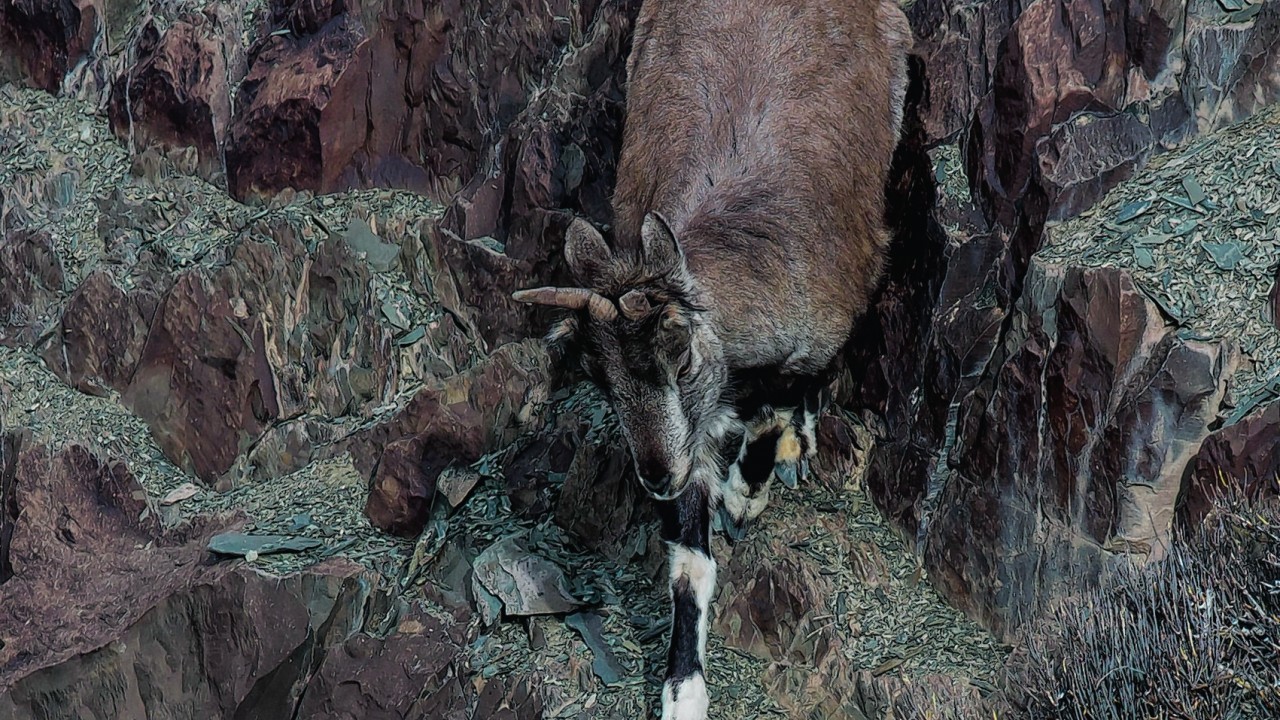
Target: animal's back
column 763, row 130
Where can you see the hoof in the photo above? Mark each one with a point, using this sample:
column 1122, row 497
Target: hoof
column 788, row 472
column 734, row 530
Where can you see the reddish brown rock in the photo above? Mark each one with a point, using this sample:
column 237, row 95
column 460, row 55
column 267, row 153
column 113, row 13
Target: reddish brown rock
column 509, row 698
column 104, row 609
column 31, row 285
column 1072, row 455
column 456, row 421
column 406, row 96
column 82, row 558
column 1067, row 97
column 1243, row 456
column 213, row 358
column 411, row 673
column 40, row 40
column 92, row 355
column 276, row 138
column 178, row 94
column 204, row 382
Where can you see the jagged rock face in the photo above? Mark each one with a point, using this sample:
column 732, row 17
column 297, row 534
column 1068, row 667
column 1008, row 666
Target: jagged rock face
column 1075, row 448
column 105, row 610
column 1054, row 103
column 1066, row 96
column 31, row 280
column 211, row 358
column 1015, row 420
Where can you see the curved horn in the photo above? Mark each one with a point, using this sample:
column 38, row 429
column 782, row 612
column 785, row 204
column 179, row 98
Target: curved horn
column 634, row 305
column 572, row 298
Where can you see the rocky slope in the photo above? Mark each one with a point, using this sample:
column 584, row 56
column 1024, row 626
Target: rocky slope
column 207, row 278
column 275, row 417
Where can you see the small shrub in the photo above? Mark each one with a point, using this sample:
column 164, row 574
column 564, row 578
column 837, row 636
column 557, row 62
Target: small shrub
column 1195, row 636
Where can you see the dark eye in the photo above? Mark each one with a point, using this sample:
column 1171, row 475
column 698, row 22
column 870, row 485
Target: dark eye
column 685, row 364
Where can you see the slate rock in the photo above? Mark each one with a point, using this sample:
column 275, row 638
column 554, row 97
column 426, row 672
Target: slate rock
column 1240, row 457
column 456, row 421
column 525, row 582
column 1273, row 306
column 32, row 283
column 234, row 543
column 604, row 663
column 178, row 94
column 1071, row 458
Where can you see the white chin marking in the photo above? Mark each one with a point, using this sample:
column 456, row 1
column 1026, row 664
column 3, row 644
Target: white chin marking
column 685, row 699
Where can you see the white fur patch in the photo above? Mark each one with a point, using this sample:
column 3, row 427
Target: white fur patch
column 698, row 568
column 701, row 572
column 734, row 495
column 809, row 430
column 685, row 699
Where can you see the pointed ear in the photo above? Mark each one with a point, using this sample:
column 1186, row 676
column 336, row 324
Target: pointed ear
column 661, row 249
column 585, row 251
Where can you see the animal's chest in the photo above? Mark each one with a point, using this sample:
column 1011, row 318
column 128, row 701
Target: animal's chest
column 755, row 388
column 755, row 340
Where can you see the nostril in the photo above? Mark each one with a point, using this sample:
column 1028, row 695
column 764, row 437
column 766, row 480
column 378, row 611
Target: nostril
column 656, row 483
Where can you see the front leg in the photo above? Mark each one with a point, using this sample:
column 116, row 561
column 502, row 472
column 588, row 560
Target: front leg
column 686, row 528
column 745, row 489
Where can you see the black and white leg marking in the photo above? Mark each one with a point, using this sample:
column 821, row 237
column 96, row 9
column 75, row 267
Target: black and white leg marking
column 778, row 443
column 686, row 528
column 745, row 491
column 798, row 443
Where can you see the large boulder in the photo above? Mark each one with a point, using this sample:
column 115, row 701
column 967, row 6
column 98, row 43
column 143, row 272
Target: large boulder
column 107, row 611
column 41, row 40
column 178, row 93
column 32, row 283
column 1052, row 104
column 214, row 356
